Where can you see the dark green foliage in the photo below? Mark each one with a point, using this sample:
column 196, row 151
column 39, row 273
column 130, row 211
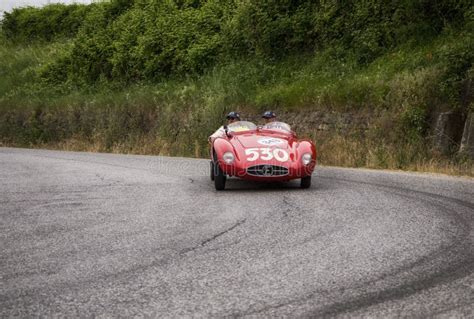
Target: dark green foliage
column 414, row 124
column 156, row 39
column 124, row 42
column 59, row 20
column 271, row 28
column 150, row 41
column 458, row 59
column 44, row 24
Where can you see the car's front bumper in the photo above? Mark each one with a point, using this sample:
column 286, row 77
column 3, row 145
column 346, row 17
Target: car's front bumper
column 267, row 172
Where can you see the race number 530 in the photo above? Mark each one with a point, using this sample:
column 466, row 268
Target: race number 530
column 266, row 154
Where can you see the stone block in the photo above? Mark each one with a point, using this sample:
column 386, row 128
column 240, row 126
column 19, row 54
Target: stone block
column 467, row 141
column 448, row 132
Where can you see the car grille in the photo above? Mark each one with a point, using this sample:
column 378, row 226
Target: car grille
column 267, row 170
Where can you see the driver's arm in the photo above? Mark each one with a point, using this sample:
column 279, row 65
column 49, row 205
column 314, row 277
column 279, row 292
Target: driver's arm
column 219, row 133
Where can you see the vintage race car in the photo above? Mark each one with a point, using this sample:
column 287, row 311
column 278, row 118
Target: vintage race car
column 268, row 153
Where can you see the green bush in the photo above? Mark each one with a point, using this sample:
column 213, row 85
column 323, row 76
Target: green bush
column 43, row 24
column 153, row 40
column 458, row 59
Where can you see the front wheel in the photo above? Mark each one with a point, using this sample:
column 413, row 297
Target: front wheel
column 219, row 178
column 212, row 170
column 306, row 182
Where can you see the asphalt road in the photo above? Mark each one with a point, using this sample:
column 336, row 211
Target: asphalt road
column 118, row 236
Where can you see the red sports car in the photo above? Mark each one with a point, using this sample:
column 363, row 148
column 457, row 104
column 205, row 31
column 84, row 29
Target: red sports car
column 268, row 153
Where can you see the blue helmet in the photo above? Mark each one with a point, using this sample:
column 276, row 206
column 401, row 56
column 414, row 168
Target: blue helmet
column 269, row 115
column 233, row 116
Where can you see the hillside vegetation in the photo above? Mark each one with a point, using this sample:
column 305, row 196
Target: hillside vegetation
column 157, row 76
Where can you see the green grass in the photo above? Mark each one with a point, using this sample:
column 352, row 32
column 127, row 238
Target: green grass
column 19, row 65
column 314, row 81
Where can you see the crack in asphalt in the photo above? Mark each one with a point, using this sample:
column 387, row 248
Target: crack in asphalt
column 214, row 237
column 291, row 207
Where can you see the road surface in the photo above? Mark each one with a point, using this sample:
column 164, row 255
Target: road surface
column 120, row 235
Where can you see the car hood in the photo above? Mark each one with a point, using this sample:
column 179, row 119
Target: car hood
column 257, row 140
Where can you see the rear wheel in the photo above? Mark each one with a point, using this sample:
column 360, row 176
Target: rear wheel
column 219, row 178
column 306, row 182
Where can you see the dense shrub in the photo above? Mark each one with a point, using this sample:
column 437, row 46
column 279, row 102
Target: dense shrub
column 45, row 24
column 458, row 59
column 155, row 39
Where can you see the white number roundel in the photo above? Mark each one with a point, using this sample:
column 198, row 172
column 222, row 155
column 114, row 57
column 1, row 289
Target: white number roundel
column 266, row 154
column 268, row 141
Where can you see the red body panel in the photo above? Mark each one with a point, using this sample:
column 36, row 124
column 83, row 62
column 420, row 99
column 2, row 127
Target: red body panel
column 272, row 148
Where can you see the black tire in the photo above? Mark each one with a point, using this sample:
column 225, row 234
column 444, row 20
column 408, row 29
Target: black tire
column 212, row 170
column 306, row 182
column 219, row 178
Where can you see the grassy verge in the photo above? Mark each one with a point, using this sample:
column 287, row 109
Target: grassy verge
column 395, row 93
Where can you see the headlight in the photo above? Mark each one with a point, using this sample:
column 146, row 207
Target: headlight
column 228, row 157
column 306, row 159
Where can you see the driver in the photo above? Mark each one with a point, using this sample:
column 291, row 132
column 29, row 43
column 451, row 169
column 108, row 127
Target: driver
column 269, row 116
column 232, row 117
column 271, row 122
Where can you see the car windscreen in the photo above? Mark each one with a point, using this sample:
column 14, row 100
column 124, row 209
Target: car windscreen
column 281, row 126
column 241, row 126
